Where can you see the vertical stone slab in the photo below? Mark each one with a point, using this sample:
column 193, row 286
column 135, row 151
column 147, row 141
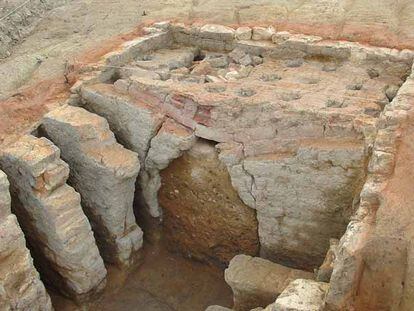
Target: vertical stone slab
column 104, row 173
column 49, row 211
column 20, row 285
column 134, row 122
column 170, row 142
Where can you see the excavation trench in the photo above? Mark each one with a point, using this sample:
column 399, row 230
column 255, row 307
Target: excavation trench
column 190, row 146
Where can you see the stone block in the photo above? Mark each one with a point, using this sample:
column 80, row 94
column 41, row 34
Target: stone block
column 134, row 122
column 325, row 270
column 302, row 295
column 217, row 32
column 170, row 142
column 4, row 196
column 104, row 173
column 262, row 33
column 20, row 284
column 258, row 282
column 243, row 33
column 49, row 211
column 217, row 308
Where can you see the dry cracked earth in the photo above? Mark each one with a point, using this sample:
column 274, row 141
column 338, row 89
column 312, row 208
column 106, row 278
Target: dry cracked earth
column 211, row 156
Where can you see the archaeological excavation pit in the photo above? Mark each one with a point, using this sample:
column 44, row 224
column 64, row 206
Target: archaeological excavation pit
column 209, row 146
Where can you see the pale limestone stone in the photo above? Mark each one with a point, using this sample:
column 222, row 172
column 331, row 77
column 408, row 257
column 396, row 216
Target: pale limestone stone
column 20, row 284
column 170, row 142
column 167, row 59
column 164, row 25
column 138, row 72
column 237, row 55
column 217, row 32
column 280, row 37
column 134, row 122
column 265, row 183
column 4, row 196
column 243, row 33
column 151, row 30
column 262, row 33
column 302, row 295
column 104, row 173
column 50, row 214
column 131, row 49
column 325, row 270
column 203, row 68
column 258, row 282
column 347, row 266
column 381, row 163
column 217, row 308
column 217, row 60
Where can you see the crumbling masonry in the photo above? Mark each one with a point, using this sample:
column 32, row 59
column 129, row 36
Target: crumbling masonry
column 241, row 141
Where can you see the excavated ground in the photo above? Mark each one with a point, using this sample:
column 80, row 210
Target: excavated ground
column 298, row 124
column 164, row 281
column 234, row 142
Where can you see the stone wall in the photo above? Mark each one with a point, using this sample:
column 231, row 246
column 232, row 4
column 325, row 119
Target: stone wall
column 49, row 211
column 20, row 284
column 387, row 23
column 373, row 264
column 300, row 162
column 104, row 173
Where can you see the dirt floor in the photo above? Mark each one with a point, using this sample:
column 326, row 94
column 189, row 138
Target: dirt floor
column 163, row 282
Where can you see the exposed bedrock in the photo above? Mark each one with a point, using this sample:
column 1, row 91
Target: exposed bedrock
column 104, row 174
column 49, row 211
column 20, row 285
column 257, row 282
column 203, row 217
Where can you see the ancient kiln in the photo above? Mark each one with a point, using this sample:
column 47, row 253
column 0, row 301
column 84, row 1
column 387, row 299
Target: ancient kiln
column 246, row 141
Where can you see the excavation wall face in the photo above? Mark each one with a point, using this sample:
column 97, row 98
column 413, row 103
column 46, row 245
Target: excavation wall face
column 21, row 287
column 294, row 117
column 104, row 173
column 202, row 213
column 50, row 214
